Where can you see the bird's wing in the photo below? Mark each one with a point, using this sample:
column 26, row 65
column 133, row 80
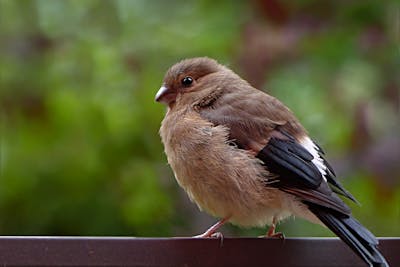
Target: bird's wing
column 263, row 125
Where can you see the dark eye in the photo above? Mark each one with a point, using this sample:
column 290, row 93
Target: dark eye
column 187, row 81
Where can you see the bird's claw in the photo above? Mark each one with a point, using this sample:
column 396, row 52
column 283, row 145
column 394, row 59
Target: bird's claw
column 277, row 235
column 217, row 235
column 209, row 234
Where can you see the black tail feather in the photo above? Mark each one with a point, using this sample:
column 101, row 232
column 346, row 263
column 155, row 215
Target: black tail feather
column 356, row 236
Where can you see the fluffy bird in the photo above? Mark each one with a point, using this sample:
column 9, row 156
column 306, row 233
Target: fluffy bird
column 242, row 156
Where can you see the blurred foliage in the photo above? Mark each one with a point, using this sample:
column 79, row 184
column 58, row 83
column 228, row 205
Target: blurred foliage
column 79, row 147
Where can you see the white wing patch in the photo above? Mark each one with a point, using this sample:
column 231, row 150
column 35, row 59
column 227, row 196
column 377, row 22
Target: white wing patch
column 311, row 147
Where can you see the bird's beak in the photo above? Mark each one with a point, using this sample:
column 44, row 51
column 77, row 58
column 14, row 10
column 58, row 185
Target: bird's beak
column 165, row 95
column 161, row 92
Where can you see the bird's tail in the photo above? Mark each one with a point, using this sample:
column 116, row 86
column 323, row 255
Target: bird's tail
column 356, row 236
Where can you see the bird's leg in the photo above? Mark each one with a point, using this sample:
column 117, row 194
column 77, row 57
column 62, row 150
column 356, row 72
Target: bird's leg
column 212, row 231
column 271, row 231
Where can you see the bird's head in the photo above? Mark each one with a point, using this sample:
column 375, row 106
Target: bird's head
column 186, row 76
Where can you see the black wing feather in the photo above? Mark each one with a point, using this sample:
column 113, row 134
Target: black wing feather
column 331, row 177
column 291, row 162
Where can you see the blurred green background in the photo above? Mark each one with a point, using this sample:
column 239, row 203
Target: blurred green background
column 79, row 147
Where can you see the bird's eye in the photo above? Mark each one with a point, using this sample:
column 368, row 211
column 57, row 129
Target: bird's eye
column 187, row 81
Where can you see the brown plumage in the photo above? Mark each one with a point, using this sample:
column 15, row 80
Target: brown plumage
column 242, row 156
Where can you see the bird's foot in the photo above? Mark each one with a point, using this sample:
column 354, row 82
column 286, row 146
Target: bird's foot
column 212, row 231
column 271, row 231
column 277, row 235
column 209, row 234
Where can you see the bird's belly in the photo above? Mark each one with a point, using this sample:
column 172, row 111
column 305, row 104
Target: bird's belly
column 244, row 208
column 221, row 179
column 231, row 187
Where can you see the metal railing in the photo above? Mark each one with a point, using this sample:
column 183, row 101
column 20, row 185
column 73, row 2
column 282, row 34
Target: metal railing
column 124, row 251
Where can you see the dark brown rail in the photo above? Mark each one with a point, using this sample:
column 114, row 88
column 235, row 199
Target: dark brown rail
column 120, row 251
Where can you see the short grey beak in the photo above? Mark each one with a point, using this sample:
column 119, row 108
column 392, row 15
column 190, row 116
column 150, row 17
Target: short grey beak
column 161, row 92
column 166, row 95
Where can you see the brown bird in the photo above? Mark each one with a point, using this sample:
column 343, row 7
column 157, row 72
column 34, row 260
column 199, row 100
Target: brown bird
column 242, row 156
